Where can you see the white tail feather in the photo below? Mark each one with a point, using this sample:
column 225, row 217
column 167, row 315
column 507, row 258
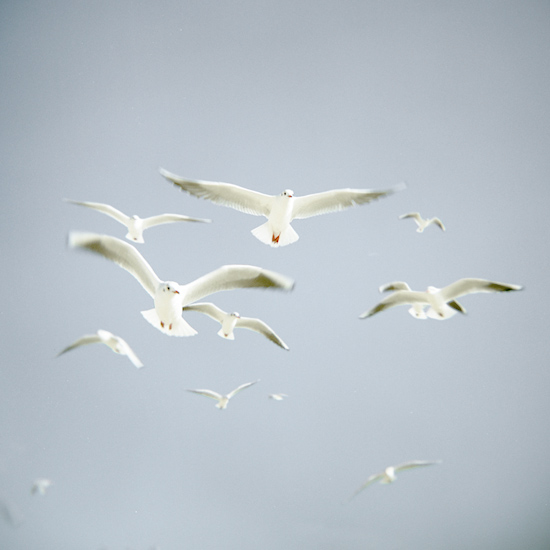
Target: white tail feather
column 264, row 233
column 180, row 327
column 222, row 334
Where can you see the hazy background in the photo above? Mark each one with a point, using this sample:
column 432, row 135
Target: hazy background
column 453, row 98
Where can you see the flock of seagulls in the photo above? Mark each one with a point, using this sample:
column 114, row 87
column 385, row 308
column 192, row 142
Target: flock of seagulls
column 172, row 299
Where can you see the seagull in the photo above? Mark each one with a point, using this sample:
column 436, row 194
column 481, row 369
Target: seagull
column 116, row 343
column 230, row 321
column 170, row 297
column 417, row 309
column 277, row 396
column 40, row 486
column 136, row 225
column 441, row 300
column 388, row 475
column 222, row 400
column 421, row 222
column 279, row 210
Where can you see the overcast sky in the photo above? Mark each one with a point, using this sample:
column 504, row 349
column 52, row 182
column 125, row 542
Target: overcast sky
column 451, row 97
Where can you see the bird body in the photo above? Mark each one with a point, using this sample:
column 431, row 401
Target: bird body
column 222, row 400
column 170, row 297
column 441, row 301
column 230, row 321
column 279, row 210
column 421, row 222
column 277, row 396
column 136, row 225
column 116, row 343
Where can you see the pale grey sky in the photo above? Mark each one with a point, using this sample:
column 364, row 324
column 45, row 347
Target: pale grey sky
column 451, row 97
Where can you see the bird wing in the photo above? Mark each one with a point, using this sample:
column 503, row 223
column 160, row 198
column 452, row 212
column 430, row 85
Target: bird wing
column 337, row 199
column 415, row 215
column 129, row 352
column 229, row 277
column 471, row 286
column 208, row 393
column 257, row 325
column 438, row 222
column 415, row 464
column 396, row 285
column 170, row 218
column 123, row 254
column 241, row 387
column 86, row 339
column 207, row 308
column 372, row 479
column 226, row 194
column 105, row 208
column 398, row 298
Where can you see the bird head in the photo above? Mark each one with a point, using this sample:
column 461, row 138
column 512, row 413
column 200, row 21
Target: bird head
column 287, row 193
column 170, row 286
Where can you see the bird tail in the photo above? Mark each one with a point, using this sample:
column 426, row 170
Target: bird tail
column 179, row 327
column 222, row 334
column 265, row 234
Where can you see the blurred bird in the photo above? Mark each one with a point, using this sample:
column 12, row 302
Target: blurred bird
column 230, row 321
column 388, row 475
column 116, row 343
column 279, row 210
column 136, row 225
column 421, row 222
column 441, row 300
column 222, row 400
column 170, row 297
column 417, row 309
column 40, row 486
column 277, row 396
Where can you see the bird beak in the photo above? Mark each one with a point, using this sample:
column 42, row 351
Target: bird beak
column 176, row 291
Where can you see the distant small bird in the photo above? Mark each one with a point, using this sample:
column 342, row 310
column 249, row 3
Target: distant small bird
column 170, row 297
column 421, row 222
column 222, row 400
column 136, row 225
column 417, row 309
column 441, row 300
column 388, row 475
column 277, row 396
column 116, row 343
column 279, row 210
column 230, row 321
column 40, row 486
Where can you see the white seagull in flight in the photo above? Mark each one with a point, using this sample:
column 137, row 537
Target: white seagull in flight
column 421, row 222
column 388, row 475
column 222, row 400
column 116, row 343
column 417, row 309
column 279, row 210
column 277, row 396
column 40, row 486
column 230, row 321
column 170, row 297
column 136, row 225
column 441, row 300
